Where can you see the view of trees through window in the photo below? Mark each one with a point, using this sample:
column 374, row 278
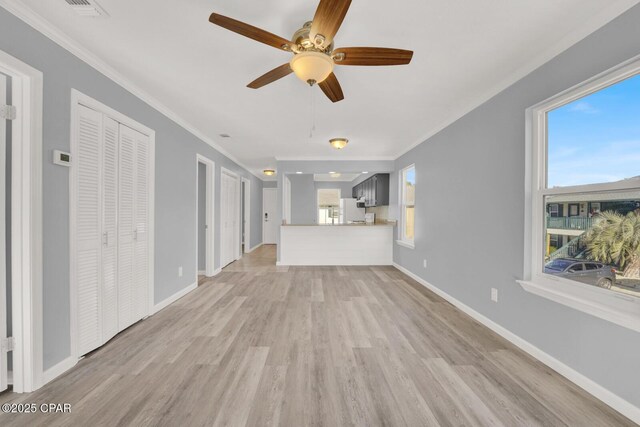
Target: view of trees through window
column 593, row 237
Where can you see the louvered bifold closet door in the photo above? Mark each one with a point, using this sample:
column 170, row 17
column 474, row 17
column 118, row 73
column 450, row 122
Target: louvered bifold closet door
column 126, row 226
column 110, row 229
column 87, row 228
column 141, row 230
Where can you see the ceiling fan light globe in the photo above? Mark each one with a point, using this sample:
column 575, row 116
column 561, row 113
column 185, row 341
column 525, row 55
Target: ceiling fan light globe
column 315, row 66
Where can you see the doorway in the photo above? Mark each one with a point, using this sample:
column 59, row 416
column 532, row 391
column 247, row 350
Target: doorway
column 229, row 217
column 204, row 217
column 246, row 216
column 5, row 227
column 270, row 223
column 21, row 321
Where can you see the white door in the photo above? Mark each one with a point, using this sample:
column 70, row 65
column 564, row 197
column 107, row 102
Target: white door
column 3, row 276
column 126, row 226
column 141, row 230
column 87, row 228
column 270, row 223
column 229, row 219
column 109, row 265
column 133, row 227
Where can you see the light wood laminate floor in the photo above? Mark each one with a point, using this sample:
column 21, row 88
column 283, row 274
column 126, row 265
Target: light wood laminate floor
column 262, row 345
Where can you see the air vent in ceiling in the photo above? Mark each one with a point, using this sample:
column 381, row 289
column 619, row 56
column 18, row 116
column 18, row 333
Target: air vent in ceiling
column 88, row 8
column 225, row 135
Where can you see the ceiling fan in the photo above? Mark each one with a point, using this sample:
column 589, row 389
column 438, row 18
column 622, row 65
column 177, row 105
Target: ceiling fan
column 314, row 55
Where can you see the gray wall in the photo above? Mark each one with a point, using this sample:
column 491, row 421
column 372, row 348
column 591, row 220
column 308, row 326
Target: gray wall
column 202, row 215
column 303, row 199
column 270, row 184
column 175, row 198
column 477, row 164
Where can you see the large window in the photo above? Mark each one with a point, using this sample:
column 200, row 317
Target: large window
column 585, row 198
column 407, row 205
column 328, row 206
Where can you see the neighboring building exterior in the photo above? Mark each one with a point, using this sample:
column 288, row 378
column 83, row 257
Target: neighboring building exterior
column 569, row 217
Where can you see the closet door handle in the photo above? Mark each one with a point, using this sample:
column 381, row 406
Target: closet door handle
column 105, row 238
column 135, row 234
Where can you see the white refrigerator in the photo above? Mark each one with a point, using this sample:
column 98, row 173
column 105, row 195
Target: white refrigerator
column 349, row 211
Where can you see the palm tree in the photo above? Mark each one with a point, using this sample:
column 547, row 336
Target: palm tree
column 615, row 239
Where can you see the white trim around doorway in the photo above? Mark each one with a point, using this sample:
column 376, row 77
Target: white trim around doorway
column 247, row 215
column 26, row 223
column 237, row 228
column 209, row 215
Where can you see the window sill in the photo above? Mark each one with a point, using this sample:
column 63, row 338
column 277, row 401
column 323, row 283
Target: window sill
column 409, row 245
column 608, row 305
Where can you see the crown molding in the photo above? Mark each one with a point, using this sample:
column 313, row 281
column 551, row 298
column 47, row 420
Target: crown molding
column 333, row 159
column 608, row 14
column 40, row 24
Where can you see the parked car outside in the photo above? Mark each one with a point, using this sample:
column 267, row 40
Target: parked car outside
column 585, row 271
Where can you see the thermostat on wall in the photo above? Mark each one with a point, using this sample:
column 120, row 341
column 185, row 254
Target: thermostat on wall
column 61, row 158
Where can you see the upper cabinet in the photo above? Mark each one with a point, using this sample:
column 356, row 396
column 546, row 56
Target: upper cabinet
column 374, row 190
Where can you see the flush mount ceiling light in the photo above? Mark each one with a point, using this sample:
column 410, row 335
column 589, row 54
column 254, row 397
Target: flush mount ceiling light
column 338, row 143
column 299, row 173
column 334, row 174
column 269, row 172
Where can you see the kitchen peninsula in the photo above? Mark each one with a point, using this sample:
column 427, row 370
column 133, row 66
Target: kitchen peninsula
column 340, row 244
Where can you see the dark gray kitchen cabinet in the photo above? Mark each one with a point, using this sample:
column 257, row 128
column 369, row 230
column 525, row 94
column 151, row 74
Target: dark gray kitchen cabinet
column 374, row 190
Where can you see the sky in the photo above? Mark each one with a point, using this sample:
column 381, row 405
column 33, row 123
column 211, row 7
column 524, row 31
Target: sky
column 596, row 139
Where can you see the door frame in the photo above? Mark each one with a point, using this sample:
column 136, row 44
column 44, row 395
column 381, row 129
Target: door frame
column 26, row 223
column 247, row 215
column 236, row 231
column 79, row 98
column 262, row 217
column 209, row 214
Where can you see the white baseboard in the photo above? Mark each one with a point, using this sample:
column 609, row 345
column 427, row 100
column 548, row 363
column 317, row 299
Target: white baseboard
column 253, row 248
column 201, row 272
column 173, row 298
column 616, row 402
column 216, row 271
column 58, row 369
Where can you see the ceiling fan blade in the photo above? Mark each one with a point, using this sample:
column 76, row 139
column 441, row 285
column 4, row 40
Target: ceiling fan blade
column 250, row 31
column 327, row 20
column 271, row 76
column 371, row 56
column 331, row 88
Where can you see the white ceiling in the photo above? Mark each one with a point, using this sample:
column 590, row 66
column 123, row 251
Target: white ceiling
column 331, row 177
column 465, row 51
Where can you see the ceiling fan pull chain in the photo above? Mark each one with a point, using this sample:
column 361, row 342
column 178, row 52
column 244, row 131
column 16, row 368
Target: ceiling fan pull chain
column 312, row 113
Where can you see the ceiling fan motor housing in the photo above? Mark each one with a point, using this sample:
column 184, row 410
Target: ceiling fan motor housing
column 302, row 40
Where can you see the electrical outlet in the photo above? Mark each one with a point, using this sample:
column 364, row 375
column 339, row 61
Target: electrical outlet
column 180, row 271
column 424, row 263
column 494, row 295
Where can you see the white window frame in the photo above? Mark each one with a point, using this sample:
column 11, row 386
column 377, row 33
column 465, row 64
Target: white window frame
column 620, row 309
column 403, row 240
